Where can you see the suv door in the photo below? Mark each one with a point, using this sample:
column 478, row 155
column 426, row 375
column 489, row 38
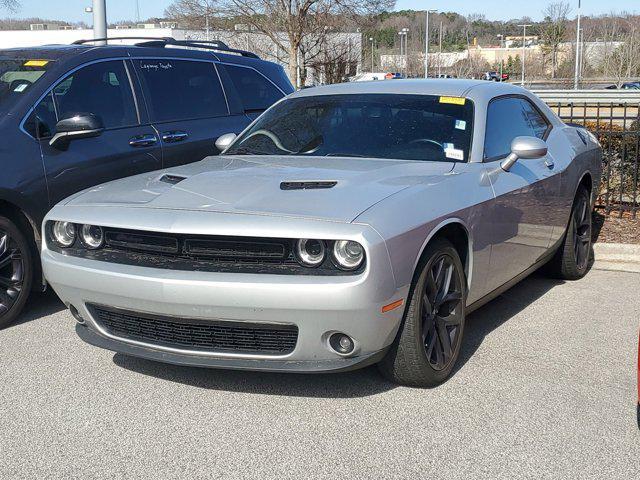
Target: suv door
column 125, row 147
column 526, row 196
column 188, row 107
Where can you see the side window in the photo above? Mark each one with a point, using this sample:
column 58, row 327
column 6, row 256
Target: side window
column 508, row 118
column 102, row 89
column 42, row 120
column 255, row 91
column 181, row 89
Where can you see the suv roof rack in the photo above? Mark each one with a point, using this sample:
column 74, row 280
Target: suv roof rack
column 164, row 41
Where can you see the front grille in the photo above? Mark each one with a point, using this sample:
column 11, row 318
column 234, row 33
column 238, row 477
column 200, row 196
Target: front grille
column 193, row 334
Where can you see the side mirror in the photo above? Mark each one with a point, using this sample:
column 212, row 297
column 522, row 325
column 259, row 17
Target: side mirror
column 223, row 141
column 81, row 125
column 525, row 148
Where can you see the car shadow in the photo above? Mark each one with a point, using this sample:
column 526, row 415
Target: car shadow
column 354, row 384
column 494, row 314
column 39, row 305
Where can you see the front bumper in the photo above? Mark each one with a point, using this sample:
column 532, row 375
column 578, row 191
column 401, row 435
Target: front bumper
column 318, row 306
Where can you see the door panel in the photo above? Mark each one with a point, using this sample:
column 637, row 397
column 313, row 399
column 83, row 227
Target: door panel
column 187, row 106
column 198, row 138
column 521, row 220
column 92, row 161
column 105, row 90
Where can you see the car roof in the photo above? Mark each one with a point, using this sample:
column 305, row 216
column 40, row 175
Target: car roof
column 433, row 86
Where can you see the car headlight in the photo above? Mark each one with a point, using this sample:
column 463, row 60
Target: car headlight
column 348, row 254
column 309, row 252
column 63, row 233
column 92, row 236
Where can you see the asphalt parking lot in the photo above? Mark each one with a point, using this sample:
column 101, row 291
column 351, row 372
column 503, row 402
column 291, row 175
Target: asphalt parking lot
column 546, row 388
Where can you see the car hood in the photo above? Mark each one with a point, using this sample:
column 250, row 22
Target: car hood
column 254, row 185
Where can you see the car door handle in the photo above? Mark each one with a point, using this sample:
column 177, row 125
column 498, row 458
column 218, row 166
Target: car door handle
column 173, row 137
column 143, row 140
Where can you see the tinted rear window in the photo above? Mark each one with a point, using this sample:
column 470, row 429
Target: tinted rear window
column 181, row 89
column 256, row 92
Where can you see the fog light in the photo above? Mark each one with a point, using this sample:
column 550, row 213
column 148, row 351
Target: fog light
column 341, row 343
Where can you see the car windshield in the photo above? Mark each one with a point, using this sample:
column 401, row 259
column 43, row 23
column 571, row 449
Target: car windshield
column 17, row 76
column 388, row 126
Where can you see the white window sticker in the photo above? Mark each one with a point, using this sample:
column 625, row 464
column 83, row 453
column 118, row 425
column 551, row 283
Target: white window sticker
column 21, row 87
column 454, row 153
column 448, row 146
column 461, row 125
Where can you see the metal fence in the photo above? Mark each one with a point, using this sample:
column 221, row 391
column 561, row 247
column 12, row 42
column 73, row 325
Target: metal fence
column 617, row 126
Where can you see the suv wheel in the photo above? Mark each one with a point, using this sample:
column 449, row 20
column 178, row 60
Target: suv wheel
column 16, row 271
column 428, row 344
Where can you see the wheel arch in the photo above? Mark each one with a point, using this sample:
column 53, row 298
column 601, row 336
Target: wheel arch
column 459, row 235
column 586, row 181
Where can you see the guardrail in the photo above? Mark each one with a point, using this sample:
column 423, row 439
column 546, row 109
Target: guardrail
column 616, row 97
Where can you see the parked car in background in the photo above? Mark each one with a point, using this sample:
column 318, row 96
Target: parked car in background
column 369, row 76
column 78, row 115
column 496, row 76
column 350, row 224
column 631, row 86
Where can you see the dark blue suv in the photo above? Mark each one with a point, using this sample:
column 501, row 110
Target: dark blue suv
column 78, row 115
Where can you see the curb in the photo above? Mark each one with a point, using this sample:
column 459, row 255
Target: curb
column 621, row 257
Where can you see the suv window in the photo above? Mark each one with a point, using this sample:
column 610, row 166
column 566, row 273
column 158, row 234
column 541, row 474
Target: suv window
column 508, row 118
column 42, row 120
column 102, row 89
column 255, row 91
column 181, row 89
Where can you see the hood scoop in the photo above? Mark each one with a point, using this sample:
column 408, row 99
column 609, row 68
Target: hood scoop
column 172, row 179
column 308, row 185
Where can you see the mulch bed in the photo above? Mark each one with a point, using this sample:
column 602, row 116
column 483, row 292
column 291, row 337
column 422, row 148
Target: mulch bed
column 613, row 229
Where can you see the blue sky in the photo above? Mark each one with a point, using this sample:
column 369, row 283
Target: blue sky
column 73, row 10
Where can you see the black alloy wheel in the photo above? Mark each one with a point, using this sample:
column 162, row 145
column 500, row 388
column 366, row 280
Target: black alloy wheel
column 15, row 271
column 581, row 218
column 430, row 336
column 441, row 312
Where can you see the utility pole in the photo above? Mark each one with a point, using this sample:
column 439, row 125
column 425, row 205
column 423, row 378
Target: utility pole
column 426, row 45
column 371, row 40
column 100, row 20
column 576, row 77
column 440, row 50
column 501, row 37
column 524, row 47
column 137, row 11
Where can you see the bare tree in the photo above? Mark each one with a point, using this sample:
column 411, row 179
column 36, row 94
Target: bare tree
column 11, row 5
column 554, row 31
column 196, row 14
column 299, row 21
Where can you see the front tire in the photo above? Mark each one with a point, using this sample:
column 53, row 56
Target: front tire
column 16, row 271
column 571, row 261
column 428, row 343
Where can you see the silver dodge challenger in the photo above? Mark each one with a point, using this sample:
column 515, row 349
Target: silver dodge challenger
column 348, row 225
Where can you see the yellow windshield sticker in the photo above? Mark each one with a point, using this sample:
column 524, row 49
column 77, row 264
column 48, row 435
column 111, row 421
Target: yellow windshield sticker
column 453, row 100
column 35, row 63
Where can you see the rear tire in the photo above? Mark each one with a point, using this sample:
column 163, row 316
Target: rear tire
column 571, row 261
column 428, row 343
column 16, row 271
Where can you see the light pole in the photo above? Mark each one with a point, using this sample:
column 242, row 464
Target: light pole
column 406, row 51
column 501, row 37
column 576, row 76
column 426, row 45
column 403, row 34
column 371, row 40
column 440, row 50
column 100, row 20
column 524, row 46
